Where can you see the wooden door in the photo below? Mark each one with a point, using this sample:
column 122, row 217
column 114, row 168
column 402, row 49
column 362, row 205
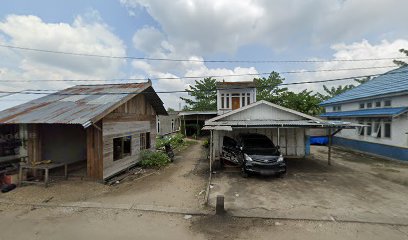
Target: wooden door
column 235, row 102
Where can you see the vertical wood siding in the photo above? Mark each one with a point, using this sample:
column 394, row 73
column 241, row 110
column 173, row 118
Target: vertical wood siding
column 130, row 119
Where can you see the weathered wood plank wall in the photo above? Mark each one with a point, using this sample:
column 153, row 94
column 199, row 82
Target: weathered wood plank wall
column 130, row 119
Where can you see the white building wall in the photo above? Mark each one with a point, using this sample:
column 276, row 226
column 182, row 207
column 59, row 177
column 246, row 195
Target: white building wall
column 263, row 112
column 251, row 91
column 399, row 125
column 396, row 101
column 399, row 133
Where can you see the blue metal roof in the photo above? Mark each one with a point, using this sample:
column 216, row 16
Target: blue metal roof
column 367, row 112
column 394, row 81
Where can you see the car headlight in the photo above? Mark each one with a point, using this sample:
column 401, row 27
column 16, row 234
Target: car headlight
column 280, row 158
column 247, row 158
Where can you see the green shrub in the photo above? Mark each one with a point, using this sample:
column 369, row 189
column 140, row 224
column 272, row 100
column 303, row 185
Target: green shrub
column 150, row 159
column 206, row 143
column 175, row 141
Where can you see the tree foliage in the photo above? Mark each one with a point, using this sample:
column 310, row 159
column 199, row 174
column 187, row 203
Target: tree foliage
column 304, row 101
column 204, row 96
column 399, row 62
column 268, row 88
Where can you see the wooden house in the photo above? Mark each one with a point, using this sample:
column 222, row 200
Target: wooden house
column 104, row 125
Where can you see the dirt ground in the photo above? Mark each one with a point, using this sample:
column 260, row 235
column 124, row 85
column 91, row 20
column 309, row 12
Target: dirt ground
column 182, row 184
column 75, row 223
column 311, row 190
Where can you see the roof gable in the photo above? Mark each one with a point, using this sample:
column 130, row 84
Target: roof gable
column 263, row 110
column 394, row 81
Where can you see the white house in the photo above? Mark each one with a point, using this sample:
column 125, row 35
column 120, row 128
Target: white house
column 234, row 95
column 382, row 105
column 239, row 112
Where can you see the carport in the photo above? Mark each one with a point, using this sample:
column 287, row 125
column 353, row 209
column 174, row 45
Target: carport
column 287, row 128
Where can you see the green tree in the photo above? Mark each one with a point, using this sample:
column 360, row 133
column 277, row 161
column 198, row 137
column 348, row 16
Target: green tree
column 304, row 101
column 362, row 80
column 204, row 96
column 334, row 91
column 399, row 62
column 268, row 88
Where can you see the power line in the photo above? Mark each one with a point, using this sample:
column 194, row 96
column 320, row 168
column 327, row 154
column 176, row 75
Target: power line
column 192, row 77
column 196, row 60
column 41, row 91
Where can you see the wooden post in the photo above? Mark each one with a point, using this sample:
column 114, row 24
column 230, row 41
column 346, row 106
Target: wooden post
column 329, row 150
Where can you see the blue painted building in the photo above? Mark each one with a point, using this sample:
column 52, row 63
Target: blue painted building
column 382, row 105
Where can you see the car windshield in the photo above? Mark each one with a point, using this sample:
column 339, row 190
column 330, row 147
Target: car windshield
column 258, row 143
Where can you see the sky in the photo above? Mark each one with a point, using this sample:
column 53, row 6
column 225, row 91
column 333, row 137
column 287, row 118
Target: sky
column 245, row 30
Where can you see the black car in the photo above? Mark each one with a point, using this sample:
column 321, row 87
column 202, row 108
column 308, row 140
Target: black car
column 255, row 153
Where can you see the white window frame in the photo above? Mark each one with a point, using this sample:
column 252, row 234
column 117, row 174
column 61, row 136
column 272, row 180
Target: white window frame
column 388, row 100
column 390, row 123
column 377, row 129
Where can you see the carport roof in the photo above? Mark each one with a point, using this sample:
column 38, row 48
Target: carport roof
column 284, row 123
column 306, row 121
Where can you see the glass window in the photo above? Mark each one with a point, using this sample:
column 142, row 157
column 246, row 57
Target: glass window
column 362, row 105
column 248, row 99
column 227, row 101
column 148, row 144
column 243, row 101
column 387, row 103
column 142, row 141
column 378, row 104
column 369, row 105
column 377, row 130
column 369, row 128
column 387, row 130
column 222, row 101
column 158, row 126
column 337, row 108
column 121, row 147
column 361, row 129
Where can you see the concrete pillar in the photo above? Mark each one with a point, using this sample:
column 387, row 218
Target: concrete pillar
column 219, row 206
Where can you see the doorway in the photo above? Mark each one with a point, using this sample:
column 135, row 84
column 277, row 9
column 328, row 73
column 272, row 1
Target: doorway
column 235, row 102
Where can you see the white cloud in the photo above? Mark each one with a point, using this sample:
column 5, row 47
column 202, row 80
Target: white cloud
column 89, row 36
column 356, row 50
column 209, row 26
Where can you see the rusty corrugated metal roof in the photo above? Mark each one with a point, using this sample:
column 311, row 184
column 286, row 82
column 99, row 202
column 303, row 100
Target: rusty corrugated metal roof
column 82, row 104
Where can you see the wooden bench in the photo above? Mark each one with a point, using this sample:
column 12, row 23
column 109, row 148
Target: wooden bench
column 46, row 167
